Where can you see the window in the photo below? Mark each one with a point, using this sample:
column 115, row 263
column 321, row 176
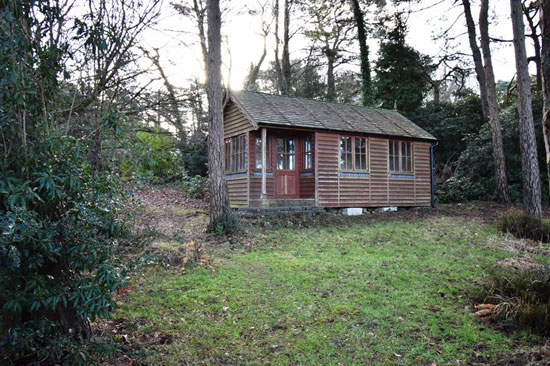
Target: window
column 345, row 153
column 235, row 154
column 400, row 156
column 308, row 153
column 286, row 154
column 360, row 153
column 259, row 153
column 353, row 153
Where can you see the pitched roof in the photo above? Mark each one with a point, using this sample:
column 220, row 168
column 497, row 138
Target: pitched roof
column 301, row 112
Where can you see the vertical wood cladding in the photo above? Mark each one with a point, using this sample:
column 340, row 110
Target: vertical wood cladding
column 422, row 173
column 378, row 149
column 238, row 185
column 379, row 188
column 327, row 168
column 325, row 182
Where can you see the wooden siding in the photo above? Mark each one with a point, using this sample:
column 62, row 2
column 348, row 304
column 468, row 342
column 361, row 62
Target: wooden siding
column 234, row 121
column 378, row 157
column 325, row 182
column 379, row 188
column 307, row 187
column 423, row 184
column 238, row 185
column 326, row 166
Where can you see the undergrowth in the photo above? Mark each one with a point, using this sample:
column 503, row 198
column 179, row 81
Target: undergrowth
column 521, row 296
column 525, row 226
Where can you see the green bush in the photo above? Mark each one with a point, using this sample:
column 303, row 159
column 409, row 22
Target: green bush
column 153, row 157
column 525, row 226
column 59, row 218
column 521, row 296
column 230, row 224
column 58, row 271
column 196, row 186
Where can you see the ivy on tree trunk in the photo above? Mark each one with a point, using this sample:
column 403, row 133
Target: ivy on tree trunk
column 363, row 52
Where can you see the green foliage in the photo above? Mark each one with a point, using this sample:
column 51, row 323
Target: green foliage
column 58, row 218
column 307, row 81
column 522, row 225
column 452, row 123
column 196, row 186
column 229, row 224
column 464, row 166
column 473, row 178
column 521, row 296
column 153, row 157
column 58, row 223
column 196, row 155
column 399, row 82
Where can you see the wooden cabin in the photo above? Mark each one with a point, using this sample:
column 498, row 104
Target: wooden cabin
column 285, row 151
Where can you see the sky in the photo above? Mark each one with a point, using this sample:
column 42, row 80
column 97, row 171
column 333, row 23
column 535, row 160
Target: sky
column 180, row 54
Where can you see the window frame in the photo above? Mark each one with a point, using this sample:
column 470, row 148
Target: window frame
column 398, row 156
column 235, row 154
column 307, row 153
column 353, row 154
column 259, row 151
column 286, row 154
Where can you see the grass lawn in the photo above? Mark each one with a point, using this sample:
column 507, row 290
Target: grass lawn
column 343, row 291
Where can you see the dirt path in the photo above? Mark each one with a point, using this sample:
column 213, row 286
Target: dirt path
column 174, row 220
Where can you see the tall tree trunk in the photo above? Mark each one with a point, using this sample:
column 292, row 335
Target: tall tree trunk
column 255, row 69
column 480, row 74
column 545, row 71
column 219, row 200
column 437, row 91
column 285, row 62
column 363, row 52
column 174, row 105
column 199, row 9
column 535, row 38
column 503, row 195
column 331, row 87
column 529, row 162
column 278, row 70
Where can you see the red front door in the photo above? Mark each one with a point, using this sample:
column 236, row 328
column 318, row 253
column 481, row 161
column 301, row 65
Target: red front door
column 286, row 177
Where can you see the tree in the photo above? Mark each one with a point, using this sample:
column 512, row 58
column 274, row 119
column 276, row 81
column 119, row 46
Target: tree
column 529, row 162
column 196, row 11
column 399, row 82
column 331, row 36
column 503, row 195
column 451, row 74
column 250, row 82
column 176, row 119
column 58, row 218
column 219, row 199
column 487, row 87
column 306, row 80
column 366, row 83
column 545, row 71
column 476, row 54
column 282, row 64
column 531, row 10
